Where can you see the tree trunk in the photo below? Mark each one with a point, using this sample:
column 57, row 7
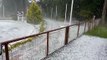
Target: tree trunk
column 104, row 12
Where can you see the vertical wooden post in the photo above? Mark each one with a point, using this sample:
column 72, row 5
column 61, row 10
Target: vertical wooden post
column 88, row 26
column 66, row 35
column 85, row 27
column 93, row 20
column 6, row 51
column 78, row 29
column 0, row 49
column 47, row 50
column 93, row 23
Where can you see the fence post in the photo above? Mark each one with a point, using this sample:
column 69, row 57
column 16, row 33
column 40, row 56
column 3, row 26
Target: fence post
column 66, row 35
column 93, row 20
column 91, row 25
column 47, row 50
column 85, row 27
column 94, row 23
column 78, row 29
column 6, row 51
column 88, row 25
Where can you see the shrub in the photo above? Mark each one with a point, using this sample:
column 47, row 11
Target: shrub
column 42, row 27
column 34, row 14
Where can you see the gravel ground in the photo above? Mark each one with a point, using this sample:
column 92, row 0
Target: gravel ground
column 38, row 46
column 36, row 49
column 10, row 29
column 84, row 48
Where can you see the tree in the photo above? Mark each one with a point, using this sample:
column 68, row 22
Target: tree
column 82, row 8
column 104, row 12
column 90, row 8
column 34, row 14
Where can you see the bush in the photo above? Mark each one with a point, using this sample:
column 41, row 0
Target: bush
column 42, row 27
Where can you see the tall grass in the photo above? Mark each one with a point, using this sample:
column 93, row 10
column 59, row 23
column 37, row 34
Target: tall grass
column 100, row 31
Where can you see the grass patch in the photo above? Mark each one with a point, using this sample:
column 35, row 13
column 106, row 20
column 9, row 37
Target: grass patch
column 20, row 43
column 100, row 31
column 17, row 44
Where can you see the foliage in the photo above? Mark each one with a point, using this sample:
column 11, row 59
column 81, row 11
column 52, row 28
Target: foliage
column 88, row 8
column 86, row 14
column 42, row 27
column 82, row 8
column 34, row 14
column 13, row 46
column 100, row 31
column 47, row 5
column 95, row 7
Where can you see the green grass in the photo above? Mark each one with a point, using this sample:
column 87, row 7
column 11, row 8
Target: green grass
column 13, row 46
column 19, row 44
column 100, row 31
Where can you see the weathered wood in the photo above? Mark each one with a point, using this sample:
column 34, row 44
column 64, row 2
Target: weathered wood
column 6, row 51
column 47, row 50
column 78, row 29
column 66, row 35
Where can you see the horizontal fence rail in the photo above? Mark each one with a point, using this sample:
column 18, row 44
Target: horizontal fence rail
column 47, row 45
